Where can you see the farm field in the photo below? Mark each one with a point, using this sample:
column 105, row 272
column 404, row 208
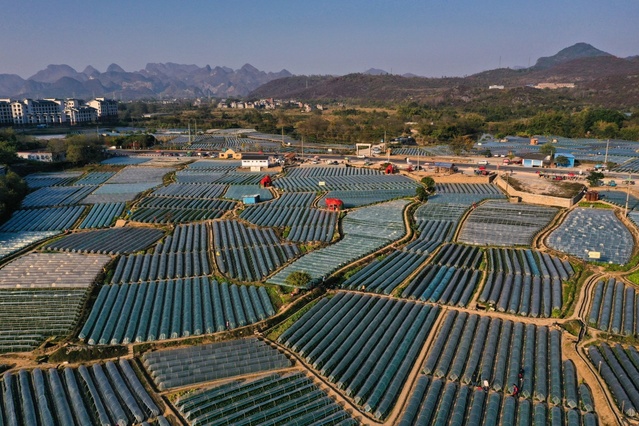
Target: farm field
column 614, row 242
column 141, row 293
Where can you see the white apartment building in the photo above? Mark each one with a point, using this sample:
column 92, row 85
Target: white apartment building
column 106, row 108
column 41, row 111
column 5, row 111
column 56, row 111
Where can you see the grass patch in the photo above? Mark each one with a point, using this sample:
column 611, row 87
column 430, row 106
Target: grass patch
column 571, row 289
column 277, row 331
column 613, row 267
column 277, row 299
column 634, row 277
column 573, row 327
column 594, row 205
column 348, row 274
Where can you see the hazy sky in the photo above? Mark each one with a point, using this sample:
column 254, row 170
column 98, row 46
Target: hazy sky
column 429, row 38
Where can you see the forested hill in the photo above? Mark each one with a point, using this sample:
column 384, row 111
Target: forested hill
column 601, row 80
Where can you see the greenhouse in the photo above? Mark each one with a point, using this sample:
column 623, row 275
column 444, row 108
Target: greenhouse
column 48, row 270
column 107, row 393
column 160, row 310
column 366, row 230
column 249, row 254
column 365, row 345
column 276, row 399
column 196, row 364
column 107, row 241
column 31, row 316
column 586, row 231
column 615, row 308
column 499, row 223
column 48, row 219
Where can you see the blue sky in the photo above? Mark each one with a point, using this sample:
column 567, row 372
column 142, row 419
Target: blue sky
column 429, row 38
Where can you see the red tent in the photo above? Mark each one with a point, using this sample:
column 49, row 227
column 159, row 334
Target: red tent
column 334, row 203
column 390, row 169
column 266, row 181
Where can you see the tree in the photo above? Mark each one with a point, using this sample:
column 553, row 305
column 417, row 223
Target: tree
column 12, row 190
column 594, row 177
column 461, row 144
column 298, row 279
column 561, row 161
column 548, row 149
column 421, row 193
column 429, row 182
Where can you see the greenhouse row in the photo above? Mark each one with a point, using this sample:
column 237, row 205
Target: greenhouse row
column 102, row 215
column 196, row 364
column 94, row 178
column 522, row 294
column 30, row 316
column 213, row 165
column 271, row 400
column 47, row 219
column 249, row 254
column 60, row 270
column 39, row 180
column 358, row 198
column 528, row 262
column 159, row 266
column 443, row 284
column 499, row 223
column 307, row 224
column 186, row 203
column 161, row 310
column 366, row 345
column 192, row 237
column 345, row 183
column 117, row 192
column 436, row 230
column 107, row 241
column 140, row 174
column 366, row 230
column 56, row 196
column 237, row 192
column 631, row 166
column 619, row 369
column 328, row 171
column 12, row 242
column 174, row 210
column 437, row 402
column 434, row 210
column 575, row 236
column 504, row 354
column 618, row 198
column 468, row 188
column 317, row 225
column 180, row 190
column 125, row 161
column 103, row 394
column 220, row 177
column 615, row 308
column 383, row 276
column 459, row 256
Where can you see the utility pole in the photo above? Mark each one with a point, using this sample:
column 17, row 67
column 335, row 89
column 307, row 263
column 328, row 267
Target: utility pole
column 606, row 156
column 628, row 194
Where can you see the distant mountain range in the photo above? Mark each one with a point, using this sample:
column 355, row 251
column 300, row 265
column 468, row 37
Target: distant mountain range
column 599, row 78
column 166, row 80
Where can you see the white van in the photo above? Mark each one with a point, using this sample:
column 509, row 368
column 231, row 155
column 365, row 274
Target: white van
column 483, row 162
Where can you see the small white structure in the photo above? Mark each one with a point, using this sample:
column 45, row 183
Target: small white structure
column 256, row 161
column 44, row 156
